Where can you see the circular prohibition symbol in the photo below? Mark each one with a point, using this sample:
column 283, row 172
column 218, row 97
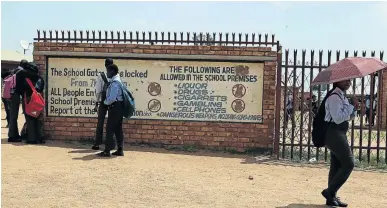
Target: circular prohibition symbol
column 239, row 90
column 154, row 105
column 238, row 105
column 154, row 88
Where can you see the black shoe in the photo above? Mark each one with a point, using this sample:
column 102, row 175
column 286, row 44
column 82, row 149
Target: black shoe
column 119, row 152
column 104, row 154
column 31, row 142
column 95, row 147
column 341, row 204
column 331, row 200
column 17, row 139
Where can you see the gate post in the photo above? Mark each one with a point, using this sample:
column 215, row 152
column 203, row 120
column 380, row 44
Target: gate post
column 278, row 101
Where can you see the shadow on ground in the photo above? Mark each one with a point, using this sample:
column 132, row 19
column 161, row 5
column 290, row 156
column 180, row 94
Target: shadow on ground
column 260, row 159
column 304, row 206
column 93, row 157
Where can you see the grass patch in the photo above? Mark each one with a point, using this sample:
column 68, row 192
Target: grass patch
column 183, row 148
column 86, row 140
column 361, row 163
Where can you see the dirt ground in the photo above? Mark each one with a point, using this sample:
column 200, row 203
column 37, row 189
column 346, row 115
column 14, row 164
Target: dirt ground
column 61, row 174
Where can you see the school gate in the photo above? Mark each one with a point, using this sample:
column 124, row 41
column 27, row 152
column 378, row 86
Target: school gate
column 210, row 90
column 293, row 129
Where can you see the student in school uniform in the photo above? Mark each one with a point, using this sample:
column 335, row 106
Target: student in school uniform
column 16, row 98
column 102, row 83
column 114, row 101
column 338, row 112
column 34, row 125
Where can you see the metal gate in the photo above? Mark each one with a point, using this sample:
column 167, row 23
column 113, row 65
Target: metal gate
column 299, row 101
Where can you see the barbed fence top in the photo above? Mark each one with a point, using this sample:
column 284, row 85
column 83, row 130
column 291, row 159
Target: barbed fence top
column 154, row 38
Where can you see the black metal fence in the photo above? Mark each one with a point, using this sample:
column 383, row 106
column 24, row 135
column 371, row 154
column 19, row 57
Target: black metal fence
column 299, row 102
column 176, row 38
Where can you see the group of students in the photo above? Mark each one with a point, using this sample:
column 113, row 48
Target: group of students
column 112, row 97
column 25, row 81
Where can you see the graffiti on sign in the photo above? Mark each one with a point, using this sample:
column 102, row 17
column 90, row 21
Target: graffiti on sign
column 170, row 90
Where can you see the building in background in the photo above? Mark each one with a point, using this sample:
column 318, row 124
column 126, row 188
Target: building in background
column 11, row 59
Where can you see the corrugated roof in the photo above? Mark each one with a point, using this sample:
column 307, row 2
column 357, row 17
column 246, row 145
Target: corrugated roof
column 14, row 56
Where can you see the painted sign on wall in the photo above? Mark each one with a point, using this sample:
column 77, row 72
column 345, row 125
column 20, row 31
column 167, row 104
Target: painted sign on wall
column 169, row 90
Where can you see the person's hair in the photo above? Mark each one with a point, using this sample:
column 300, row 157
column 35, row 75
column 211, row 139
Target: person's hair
column 108, row 62
column 31, row 66
column 23, row 63
column 333, row 88
column 114, row 68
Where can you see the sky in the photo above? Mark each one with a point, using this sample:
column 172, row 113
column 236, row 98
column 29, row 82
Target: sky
column 297, row 25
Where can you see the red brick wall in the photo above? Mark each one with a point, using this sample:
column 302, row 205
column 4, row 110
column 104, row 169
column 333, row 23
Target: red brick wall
column 240, row 136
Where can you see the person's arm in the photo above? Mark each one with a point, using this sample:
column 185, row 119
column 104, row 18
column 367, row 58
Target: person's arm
column 98, row 88
column 43, row 83
column 40, row 86
column 112, row 93
column 339, row 111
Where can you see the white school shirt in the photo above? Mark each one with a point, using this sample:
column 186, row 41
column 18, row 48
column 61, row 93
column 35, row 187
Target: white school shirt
column 99, row 88
column 368, row 101
column 338, row 108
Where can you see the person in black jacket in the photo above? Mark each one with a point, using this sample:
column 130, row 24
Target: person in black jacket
column 100, row 107
column 34, row 125
column 16, row 93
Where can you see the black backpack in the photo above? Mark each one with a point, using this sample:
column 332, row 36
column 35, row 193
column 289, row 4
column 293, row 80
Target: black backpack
column 320, row 126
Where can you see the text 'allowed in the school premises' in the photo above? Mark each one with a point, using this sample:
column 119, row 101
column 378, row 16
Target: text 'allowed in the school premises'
column 168, row 90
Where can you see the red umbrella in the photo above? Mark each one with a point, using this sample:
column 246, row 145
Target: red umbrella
column 349, row 68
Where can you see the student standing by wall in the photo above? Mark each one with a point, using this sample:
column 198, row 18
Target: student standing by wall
column 34, row 125
column 114, row 101
column 21, row 74
column 101, row 85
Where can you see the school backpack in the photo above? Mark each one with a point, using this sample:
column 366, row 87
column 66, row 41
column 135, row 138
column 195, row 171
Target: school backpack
column 320, row 126
column 128, row 100
column 9, row 84
column 36, row 105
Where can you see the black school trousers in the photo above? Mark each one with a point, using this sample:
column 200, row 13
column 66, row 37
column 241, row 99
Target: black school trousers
column 114, row 126
column 342, row 161
column 13, row 129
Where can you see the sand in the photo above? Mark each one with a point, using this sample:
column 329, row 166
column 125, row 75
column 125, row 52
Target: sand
column 61, row 174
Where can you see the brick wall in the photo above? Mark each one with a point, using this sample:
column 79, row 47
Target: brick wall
column 239, row 136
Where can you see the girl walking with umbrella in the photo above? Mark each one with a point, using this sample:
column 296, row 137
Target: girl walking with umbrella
column 338, row 111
